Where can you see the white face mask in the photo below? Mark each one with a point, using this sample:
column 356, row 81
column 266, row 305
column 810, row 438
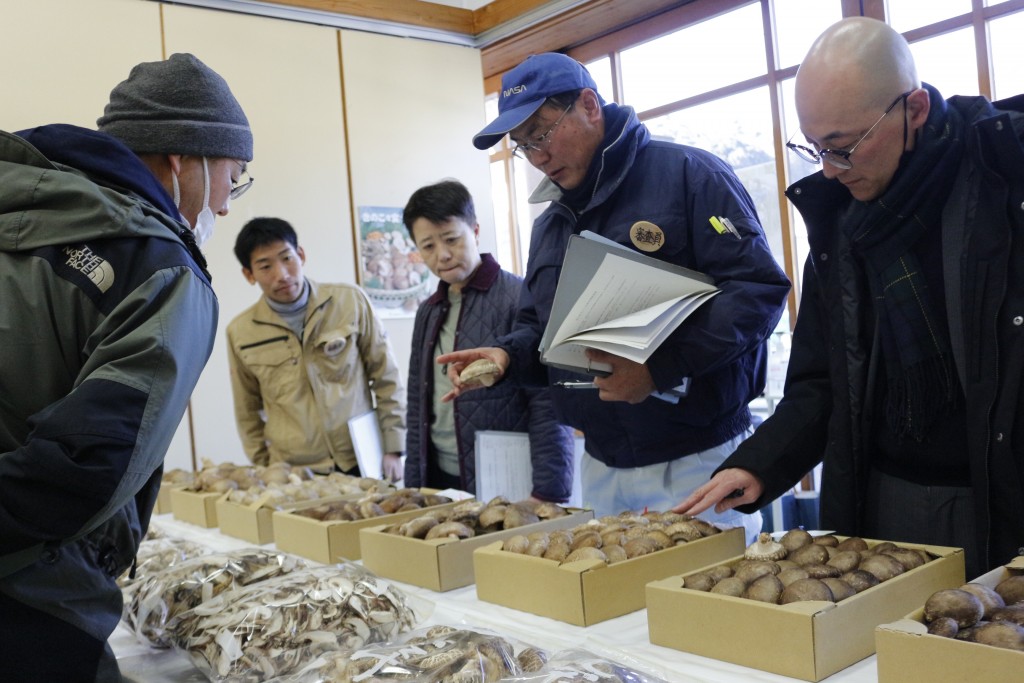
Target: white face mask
column 203, row 229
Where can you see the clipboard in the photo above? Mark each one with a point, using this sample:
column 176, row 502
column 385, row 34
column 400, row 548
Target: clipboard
column 368, row 444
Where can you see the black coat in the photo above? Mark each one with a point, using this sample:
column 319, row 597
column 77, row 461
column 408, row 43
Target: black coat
column 488, row 310
column 824, row 416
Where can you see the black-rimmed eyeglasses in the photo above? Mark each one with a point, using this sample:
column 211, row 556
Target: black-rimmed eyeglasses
column 540, row 143
column 840, row 158
column 239, row 188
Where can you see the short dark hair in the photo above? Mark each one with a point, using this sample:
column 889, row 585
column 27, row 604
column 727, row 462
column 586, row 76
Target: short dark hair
column 259, row 232
column 438, row 203
column 563, row 99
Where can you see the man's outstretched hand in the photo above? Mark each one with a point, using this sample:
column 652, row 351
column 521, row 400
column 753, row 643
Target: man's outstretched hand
column 456, row 362
column 726, row 490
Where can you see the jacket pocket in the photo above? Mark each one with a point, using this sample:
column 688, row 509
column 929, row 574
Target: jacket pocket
column 276, row 368
column 335, row 353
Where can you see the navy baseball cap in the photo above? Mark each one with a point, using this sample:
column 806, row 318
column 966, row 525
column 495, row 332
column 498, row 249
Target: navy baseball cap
column 525, row 88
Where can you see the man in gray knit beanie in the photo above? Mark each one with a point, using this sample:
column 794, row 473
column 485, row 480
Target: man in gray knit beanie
column 103, row 276
column 177, row 106
column 179, row 116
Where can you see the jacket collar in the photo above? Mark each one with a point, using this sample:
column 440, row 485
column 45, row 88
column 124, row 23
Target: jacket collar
column 317, row 298
column 627, row 140
column 105, row 159
column 482, row 279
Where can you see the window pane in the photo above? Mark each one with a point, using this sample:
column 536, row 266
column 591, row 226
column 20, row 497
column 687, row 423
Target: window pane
column 1007, row 55
column 601, row 70
column 491, row 108
column 701, row 57
column 526, row 179
column 502, row 218
column 948, row 62
column 904, row 15
column 738, row 129
column 798, row 23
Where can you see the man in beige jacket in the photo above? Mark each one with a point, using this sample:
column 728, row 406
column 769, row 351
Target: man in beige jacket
column 305, row 358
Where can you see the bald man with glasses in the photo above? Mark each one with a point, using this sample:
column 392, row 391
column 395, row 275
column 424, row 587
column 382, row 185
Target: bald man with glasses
column 907, row 364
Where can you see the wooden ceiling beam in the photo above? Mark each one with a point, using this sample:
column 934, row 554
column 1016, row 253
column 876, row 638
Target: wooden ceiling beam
column 568, row 29
column 412, row 12
column 498, row 12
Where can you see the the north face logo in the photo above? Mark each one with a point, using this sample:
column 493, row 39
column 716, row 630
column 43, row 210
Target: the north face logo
column 94, row 267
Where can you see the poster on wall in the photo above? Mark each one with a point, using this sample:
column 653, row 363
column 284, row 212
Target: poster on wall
column 394, row 275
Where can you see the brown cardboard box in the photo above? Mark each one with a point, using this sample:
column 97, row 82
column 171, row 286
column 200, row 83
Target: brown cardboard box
column 807, row 640
column 195, row 507
column 163, row 500
column 442, row 564
column 907, row 654
column 589, row 591
column 334, row 541
column 254, row 522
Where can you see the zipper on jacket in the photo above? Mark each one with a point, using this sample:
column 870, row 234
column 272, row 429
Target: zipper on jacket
column 265, row 341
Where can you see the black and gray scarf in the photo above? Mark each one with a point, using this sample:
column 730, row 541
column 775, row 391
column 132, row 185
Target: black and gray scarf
column 922, row 383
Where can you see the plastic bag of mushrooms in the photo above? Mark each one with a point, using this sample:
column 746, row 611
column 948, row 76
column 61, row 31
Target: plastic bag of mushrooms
column 583, row 666
column 154, row 556
column 435, row 654
column 274, row 628
column 152, row 604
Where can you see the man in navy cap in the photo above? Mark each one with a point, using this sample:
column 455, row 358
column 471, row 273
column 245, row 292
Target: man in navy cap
column 605, row 174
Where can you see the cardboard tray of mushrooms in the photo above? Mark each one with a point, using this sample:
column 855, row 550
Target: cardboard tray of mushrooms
column 785, row 613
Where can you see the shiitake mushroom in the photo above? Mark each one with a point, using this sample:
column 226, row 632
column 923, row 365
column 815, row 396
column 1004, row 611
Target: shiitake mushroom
column 990, row 600
column 721, row 571
column 1011, row 613
column 730, row 585
column 700, row 581
column 907, row 557
column 845, row 560
column 809, row 554
column 806, row 589
column 840, row 589
column 788, row 576
column 860, row 579
column 944, row 626
column 1003, row 634
column 751, row 570
column 1012, row 589
column 956, row 604
column 855, row 543
column 882, row 566
column 828, row 540
column 766, row 588
column 795, row 538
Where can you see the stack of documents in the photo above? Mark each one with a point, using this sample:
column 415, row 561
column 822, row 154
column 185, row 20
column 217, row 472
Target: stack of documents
column 612, row 298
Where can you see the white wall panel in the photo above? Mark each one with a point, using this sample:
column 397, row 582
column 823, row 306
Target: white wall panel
column 287, row 78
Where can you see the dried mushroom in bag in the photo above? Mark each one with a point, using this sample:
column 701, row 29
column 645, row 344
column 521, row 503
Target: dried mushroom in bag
column 438, row 654
column 154, row 556
column 164, row 595
column 278, row 626
column 582, row 666
column 157, row 554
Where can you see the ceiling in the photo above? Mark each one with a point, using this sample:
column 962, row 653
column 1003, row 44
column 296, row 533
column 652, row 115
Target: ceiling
column 505, row 31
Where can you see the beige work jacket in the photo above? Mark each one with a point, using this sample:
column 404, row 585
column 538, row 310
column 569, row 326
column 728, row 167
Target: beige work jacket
column 293, row 397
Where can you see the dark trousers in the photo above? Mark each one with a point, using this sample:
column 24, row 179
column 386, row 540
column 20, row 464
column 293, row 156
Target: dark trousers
column 439, row 479
column 36, row 647
column 902, row 511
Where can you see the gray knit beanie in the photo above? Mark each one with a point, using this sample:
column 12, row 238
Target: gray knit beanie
column 177, row 106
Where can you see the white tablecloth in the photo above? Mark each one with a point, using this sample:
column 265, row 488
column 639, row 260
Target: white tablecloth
column 624, row 638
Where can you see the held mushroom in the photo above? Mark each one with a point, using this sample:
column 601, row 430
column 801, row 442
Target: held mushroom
column 483, row 372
